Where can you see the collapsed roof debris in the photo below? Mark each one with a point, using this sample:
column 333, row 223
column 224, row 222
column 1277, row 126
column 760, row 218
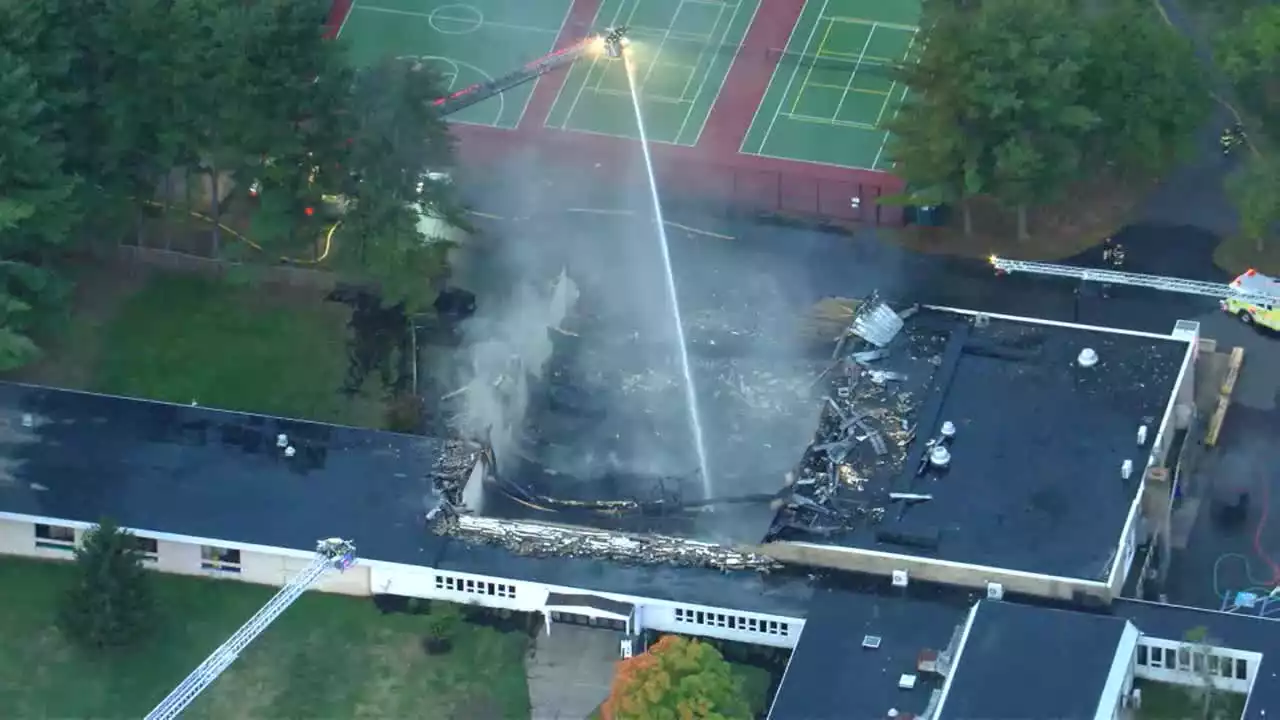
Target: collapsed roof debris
column 538, row 540
column 873, row 388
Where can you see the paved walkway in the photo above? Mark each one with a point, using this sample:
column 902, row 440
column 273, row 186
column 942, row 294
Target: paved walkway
column 569, row 671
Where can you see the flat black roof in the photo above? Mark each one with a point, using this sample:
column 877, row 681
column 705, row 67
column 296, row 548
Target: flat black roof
column 1021, row 662
column 1034, row 480
column 213, row 474
column 832, row 675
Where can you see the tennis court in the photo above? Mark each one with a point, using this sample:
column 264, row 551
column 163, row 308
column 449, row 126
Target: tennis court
column 466, row 42
column 832, row 89
column 682, row 50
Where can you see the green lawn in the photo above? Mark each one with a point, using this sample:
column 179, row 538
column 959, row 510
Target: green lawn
column 327, row 657
column 179, row 337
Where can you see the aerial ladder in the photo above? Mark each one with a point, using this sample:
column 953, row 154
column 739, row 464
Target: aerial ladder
column 1154, row 282
column 608, row 43
column 331, row 554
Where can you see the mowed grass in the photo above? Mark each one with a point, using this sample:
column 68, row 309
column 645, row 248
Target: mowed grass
column 180, row 338
column 326, row 657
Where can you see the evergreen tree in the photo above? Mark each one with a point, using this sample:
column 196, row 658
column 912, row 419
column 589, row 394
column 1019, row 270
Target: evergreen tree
column 111, row 603
column 36, row 213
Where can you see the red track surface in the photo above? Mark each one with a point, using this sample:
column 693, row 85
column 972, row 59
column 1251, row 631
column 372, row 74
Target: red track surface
column 714, row 169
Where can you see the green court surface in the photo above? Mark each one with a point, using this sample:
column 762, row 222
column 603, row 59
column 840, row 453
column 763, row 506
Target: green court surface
column 832, row 91
column 682, row 50
column 466, row 42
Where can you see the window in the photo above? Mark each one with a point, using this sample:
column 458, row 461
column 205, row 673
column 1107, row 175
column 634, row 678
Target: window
column 1213, row 664
column 55, row 537
column 475, row 587
column 149, row 548
column 1242, row 669
column 732, row 622
column 1170, row 658
column 220, row 559
column 1197, row 663
column 1226, row 668
column 1184, row 659
column 1142, row 654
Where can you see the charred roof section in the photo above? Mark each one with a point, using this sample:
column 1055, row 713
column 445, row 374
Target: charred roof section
column 984, row 441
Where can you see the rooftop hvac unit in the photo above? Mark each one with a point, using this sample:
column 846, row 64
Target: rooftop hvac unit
column 1088, row 358
column 948, row 430
column 906, row 682
column 1126, row 469
column 995, row 591
column 1142, row 435
column 28, row 420
column 282, row 441
column 290, row 452
column 876, row 322
column 900, row 578
column 939, row 456
column 871, row 642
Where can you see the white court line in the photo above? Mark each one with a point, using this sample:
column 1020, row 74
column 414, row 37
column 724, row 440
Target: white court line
column 885, row 140
column 893, row 86
column 483, row 23
column 706, row 74
column 707, row 44
column 886, row 25
column 811, row 162
column 656, row 33
column 828, row 121
column 665, row 37
column 787, row 90
column 724, row 78
column 854, row 74
column 655, row 98
column 350, row 11
column 586, row 79
column 568, row 10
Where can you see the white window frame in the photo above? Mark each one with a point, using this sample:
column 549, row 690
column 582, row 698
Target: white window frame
column 214, row 558
column 54, row 537
column 148, row 555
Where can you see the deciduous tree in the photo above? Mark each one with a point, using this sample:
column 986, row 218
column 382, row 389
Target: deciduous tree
column 1254, row 189
column 111, row 603
column 677, row 679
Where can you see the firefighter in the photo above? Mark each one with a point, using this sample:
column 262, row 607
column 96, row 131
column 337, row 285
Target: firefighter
column 1232, row 138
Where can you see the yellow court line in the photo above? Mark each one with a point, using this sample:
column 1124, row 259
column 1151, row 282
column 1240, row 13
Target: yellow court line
column 809, row 73
column 877, row 23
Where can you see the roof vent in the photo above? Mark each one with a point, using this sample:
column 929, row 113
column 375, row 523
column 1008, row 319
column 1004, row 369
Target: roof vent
column 899, row 578
column 995, row 591
column 906, row 682
column 1142, row 435
column 1088, row 358
column 1126, row 469
column 290, row 452
column 939, row 456
column 948, row 429
column 871, row 642
column 282, row 441
column 28, row 420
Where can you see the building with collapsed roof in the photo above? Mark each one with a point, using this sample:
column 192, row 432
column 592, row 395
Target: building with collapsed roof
column 889, row 572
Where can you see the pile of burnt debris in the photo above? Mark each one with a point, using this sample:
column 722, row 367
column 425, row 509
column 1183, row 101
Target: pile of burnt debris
column 881, row 370
column 541, row 540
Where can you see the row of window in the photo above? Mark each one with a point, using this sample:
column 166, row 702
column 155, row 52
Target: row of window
column 1188, row 660
column 475, row 587
column 57, row 537
column 732, row 622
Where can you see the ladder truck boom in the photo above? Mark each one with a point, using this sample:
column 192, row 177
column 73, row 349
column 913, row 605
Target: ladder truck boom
column 333, row 553
column 1116, row 277
column 610, row 43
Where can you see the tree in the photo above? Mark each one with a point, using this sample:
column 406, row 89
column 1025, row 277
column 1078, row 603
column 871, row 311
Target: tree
column 36, row 215
column 1249, row 53
column 1146, row 85
column 1254, row 189
column 1199, row 644
column 399, row 156
column 111, row 603
column 677, row 679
